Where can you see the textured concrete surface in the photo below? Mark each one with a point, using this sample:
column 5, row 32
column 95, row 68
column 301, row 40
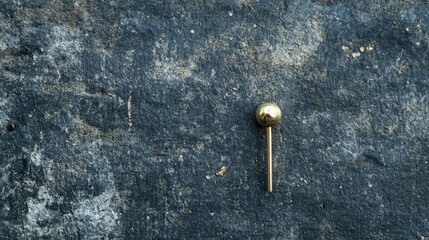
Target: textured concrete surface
column 135, row 119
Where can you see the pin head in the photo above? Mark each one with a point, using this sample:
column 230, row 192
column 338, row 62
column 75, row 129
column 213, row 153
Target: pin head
column 268, row 114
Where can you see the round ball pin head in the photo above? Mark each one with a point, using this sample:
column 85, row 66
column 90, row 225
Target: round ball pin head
column 268, row 114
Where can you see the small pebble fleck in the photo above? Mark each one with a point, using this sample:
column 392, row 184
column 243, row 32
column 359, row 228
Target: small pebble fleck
column 192, row 31
column 222, row 171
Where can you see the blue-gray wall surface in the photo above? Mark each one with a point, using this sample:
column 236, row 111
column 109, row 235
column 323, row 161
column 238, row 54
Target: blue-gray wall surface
column 128, row 119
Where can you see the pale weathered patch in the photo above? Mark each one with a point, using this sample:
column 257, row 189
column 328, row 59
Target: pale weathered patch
column 3, row 111
column 298, row 39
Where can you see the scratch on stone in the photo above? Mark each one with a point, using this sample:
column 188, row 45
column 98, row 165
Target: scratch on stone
column 129, row 106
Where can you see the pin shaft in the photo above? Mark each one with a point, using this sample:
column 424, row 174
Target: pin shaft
column 269, row 160
column 269, row 115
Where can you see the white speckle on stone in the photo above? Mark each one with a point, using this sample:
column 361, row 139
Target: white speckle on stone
column 3, row 46
column 192, row 31
column 36, row 155
column 356, row 54
column 3, row 111
column 222, row 171
column 230, row 13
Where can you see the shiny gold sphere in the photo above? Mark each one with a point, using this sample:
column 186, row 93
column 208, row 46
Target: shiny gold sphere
column 268, row 114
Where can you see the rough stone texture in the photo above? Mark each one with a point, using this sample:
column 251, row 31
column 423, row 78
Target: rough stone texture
column 135, row 119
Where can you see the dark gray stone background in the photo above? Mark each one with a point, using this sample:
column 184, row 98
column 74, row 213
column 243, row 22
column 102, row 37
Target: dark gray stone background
column 135, row 119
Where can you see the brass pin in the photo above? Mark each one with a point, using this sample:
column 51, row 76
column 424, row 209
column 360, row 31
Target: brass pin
column 269, row 115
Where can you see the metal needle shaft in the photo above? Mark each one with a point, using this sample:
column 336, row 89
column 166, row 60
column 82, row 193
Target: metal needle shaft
column 269, row 160
column 269, row 115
